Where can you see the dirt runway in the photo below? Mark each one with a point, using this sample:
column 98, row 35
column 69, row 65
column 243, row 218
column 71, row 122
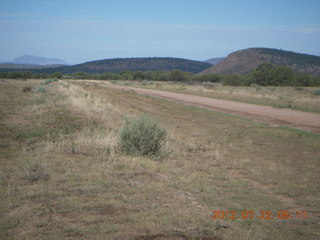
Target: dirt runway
column 275, row 116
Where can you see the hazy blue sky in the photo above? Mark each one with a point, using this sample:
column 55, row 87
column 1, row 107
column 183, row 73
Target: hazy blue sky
column 79, row 30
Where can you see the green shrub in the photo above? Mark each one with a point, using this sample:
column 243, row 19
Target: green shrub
column 41, row 89
column 317, row 92
column 142, row 136
column 232, row 80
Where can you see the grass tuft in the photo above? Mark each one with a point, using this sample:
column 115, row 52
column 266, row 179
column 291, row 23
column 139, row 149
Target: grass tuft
column 34, row 170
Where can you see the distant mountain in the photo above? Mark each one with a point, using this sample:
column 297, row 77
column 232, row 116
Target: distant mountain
column 214, row 61
column 35, row 60
column 27, row 66
column 118, row 65
column 244, row 61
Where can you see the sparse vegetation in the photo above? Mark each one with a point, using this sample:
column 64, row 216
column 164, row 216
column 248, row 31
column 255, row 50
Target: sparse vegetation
column 34, row 170
column 265, row 74
column 85, row 188
column 142, row 136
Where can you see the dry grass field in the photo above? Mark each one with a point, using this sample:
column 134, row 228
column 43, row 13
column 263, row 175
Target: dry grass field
column 62, row 175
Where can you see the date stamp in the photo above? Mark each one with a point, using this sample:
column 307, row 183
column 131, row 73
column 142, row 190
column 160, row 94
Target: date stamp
column 281, row 214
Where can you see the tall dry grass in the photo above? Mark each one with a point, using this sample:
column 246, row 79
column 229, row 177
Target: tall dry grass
column 89, row 103
column 98, row 136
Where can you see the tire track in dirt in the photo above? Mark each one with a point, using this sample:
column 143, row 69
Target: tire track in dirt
column 265, row 188
column 275, row 116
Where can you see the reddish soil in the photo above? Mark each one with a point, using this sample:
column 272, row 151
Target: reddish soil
column 276, row 116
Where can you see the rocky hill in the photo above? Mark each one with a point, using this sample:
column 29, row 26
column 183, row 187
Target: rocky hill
column 244, row 61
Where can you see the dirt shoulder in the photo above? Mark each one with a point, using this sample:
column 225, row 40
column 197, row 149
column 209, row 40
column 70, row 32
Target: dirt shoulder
column 277, row 116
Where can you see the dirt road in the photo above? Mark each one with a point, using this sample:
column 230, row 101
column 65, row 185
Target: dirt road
column 275, row 116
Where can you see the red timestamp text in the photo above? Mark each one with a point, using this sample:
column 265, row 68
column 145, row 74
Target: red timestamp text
column 281, row 214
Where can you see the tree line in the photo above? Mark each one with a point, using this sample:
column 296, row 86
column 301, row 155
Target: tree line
column 265, row 74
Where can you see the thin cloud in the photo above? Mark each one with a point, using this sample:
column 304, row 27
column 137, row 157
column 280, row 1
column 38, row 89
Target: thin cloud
column 307, row 29
column 98, row 22
column 61, row 17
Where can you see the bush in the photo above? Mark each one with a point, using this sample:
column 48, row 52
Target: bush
column 232, row 80
column 26, row 89
column 267, row 74
column 41, row 89
column 179, row 76
column 142, row 136
column 207, row 78
column 317, row 92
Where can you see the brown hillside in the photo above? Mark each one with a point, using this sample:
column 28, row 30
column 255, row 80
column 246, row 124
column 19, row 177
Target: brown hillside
column 244, row 61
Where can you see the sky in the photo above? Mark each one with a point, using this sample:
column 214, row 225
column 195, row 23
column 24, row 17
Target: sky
column 84, row 30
